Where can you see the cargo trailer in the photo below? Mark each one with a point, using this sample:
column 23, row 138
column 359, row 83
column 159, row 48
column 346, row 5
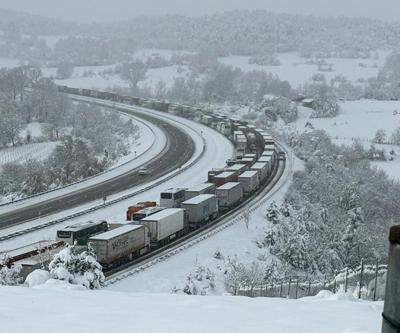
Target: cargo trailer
column 121, row 244
column 200, row 209
column 229, row 195
column 224, row 177
column 250, row 182
column 203, row 188
column 262, row 168
column 237, row 168
column 164, row 225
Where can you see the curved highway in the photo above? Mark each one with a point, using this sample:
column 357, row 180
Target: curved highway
column 179, row 149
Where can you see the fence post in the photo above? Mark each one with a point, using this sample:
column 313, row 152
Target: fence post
column 361, row 278
column 334, row 286
column 288, row 291
column 272, row 289
column 297, row 288
column 376, row 279
column 346, row 279
column 324, row 282
column 391, row 309
column 280, row 291
column 309, row 287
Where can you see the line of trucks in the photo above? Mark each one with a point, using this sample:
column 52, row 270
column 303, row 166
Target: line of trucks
column 180, row 210
column 150, row 225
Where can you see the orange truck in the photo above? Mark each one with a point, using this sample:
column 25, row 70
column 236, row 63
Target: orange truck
column 140, row 205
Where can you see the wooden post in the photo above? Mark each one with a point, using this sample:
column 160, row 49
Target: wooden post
column 346, row 279
column 288, row 291
column 376, row 279
column 309, row 287
column 297, row 288
column 280, row 291
column 391, row 309
column 361, row 278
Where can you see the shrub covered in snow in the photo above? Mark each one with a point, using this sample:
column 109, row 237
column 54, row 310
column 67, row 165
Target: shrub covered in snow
column 75, row 268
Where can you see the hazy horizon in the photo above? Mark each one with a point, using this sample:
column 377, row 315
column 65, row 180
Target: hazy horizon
column 106, row 11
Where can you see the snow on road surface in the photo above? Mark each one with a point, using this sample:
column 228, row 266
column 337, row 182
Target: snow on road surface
column 150, row 143
column 218, row 150
column 49, row 308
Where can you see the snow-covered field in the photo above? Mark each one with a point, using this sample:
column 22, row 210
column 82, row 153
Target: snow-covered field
column 358, row 120
column 50, row 308
column 297, row 71
column 34, row 151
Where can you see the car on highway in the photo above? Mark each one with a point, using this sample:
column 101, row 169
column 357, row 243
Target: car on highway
column 144, row 171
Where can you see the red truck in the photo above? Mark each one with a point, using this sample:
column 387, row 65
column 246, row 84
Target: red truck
column 140, row 205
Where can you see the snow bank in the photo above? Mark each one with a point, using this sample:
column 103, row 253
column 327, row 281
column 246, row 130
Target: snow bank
column 37, row 277
column 104, row 311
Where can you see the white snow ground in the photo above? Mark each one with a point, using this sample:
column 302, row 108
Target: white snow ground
column 296, row 71
column 34, row 151
column 52, row 308
column 357, row 120
column 218, row 150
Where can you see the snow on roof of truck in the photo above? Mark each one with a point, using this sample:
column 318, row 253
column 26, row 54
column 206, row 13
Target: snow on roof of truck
column 229, row 186
column 200, row 187
column 236, row 167
column 264, row 159
column 173, row 190
column 267, row 153
column 250, row 155
column 248, row 174
column 259, row 165
column 198, row 199
column 82, row 225
column 116, row 232
column 225, row 174
column 160, row 215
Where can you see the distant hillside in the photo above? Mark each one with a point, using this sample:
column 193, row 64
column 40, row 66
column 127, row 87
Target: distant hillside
column 259, row 32
column 34, row 24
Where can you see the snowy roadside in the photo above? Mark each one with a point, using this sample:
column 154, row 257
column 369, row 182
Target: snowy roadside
column 84, row 311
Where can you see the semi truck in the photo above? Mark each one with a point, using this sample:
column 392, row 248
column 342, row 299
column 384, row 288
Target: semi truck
column 120, row 244
column 250, row 182
column 164, row 226
column 229, row 195
column 203, row 188
column 200, row 209
column 140, row 205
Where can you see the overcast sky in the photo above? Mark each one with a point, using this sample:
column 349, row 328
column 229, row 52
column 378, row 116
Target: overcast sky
column 112, row 10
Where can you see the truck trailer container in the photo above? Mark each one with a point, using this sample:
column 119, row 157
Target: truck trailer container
column 200, row 209
column 224, row 177
column 164, row 225
column 262, row 168
column 119, row 244
column 229, row 195
column 203, row 188
column 237, row 168
column 250, row 181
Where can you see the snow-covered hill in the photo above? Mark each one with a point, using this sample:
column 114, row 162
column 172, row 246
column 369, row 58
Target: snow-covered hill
column 57, row 308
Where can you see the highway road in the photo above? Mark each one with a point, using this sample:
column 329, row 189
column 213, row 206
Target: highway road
column 179, row 149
